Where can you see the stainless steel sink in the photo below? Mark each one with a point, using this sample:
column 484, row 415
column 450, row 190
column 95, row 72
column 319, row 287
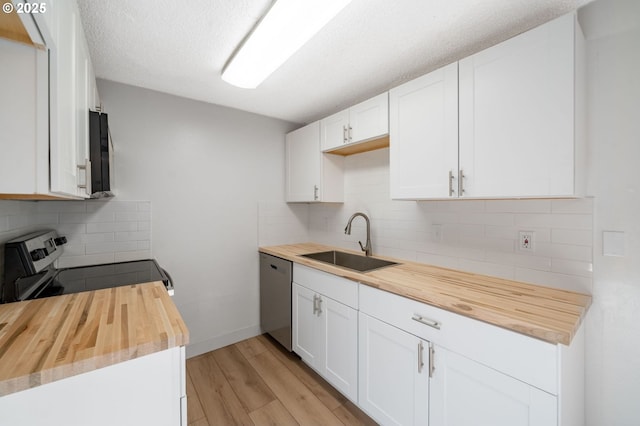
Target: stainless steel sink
column 350, row 261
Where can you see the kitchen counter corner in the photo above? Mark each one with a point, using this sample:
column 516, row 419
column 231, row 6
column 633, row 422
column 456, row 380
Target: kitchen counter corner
column 48, row 339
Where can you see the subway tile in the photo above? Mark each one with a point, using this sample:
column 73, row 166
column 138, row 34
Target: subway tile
column 44, row 219
column 499, row 219
column 61, row 206
column 556, row 280
column 564, row 251
column 567, row 221
column 578, row 237
column 144, row 226
column 66, row 217
column 96, row 237
column 132, row 216
column 111, row 227
column 17, row 222
column 572, row 267
column 111, row 206
column 576, row 206
column 518, row 206
column 463, row 206
column 71, row 228
column 132, row 255
column 93, row 259
column 74, row 248
column 106, row 247
column 486, row 268
column 133, row 236
column 437, row 260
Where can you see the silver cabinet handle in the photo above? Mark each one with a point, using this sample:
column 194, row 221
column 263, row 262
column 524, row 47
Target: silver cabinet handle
column 461, row 177
column 315, row 192
column 344, row 134
column 315, row 304
column 349, row 133
column 426, row 321
column 319, row 305
column 432, row 366
column 86, row 168
column 451, row 178
column 420, row 357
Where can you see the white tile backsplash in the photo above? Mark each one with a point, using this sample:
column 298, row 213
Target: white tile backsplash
column 98, row 231
column 479, row 236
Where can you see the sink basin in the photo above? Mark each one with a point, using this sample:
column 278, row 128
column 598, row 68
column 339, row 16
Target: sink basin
column 349, row 260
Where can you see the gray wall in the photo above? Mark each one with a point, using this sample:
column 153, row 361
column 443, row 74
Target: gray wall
column 205, row 170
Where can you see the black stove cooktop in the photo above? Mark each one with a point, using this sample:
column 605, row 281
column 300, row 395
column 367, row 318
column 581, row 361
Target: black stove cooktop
column 30, row 273
column 96, row 277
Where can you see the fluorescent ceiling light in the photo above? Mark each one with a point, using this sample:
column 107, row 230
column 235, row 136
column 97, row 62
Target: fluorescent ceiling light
column 287, row 26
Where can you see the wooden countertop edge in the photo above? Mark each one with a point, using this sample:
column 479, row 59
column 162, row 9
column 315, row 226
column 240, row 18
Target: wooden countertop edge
column 176, row 335
column 545, row 330
column 50, row 375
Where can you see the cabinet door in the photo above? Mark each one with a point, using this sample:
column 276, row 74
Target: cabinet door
column 307, row 326
column 340, row 360
column 394, row 389
column 369, row 119
column 303, row 164
column 464, row 392
column 64, row 170
column 334, row 130
column 148, row 390
column 517, row 115
column 84, row 88
column 423, row 127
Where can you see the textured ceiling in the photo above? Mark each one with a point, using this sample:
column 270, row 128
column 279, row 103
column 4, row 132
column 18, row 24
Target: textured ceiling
column 180, row 47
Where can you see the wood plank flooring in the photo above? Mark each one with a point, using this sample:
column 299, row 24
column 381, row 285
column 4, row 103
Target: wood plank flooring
column 256, row 382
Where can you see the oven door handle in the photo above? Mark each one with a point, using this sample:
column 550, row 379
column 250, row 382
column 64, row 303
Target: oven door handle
column 169, row 286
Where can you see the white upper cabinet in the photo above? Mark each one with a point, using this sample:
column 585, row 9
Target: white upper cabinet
column 363, row 122
column 71, row 73
column 505, row 122
column 424, row 135
column 24, row 120
column 519, row 114
column 311, row 176
column 48, row 130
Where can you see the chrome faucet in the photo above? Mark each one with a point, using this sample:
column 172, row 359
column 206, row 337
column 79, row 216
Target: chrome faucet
column 347, row 230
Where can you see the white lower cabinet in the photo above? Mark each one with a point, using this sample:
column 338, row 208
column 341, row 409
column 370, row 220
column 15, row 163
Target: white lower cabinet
column 325, row 331
column 409, row 363
column 465, row 392
column 149, row 390
column 393, row 374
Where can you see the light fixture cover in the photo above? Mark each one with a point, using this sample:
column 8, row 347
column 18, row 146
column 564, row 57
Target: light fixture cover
column 287, row 26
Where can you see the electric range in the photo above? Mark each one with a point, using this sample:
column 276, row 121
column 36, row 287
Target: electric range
column 29, row 271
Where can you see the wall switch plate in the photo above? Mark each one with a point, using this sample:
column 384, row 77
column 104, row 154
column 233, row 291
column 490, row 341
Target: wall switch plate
column 525, row 241
column 613, row 243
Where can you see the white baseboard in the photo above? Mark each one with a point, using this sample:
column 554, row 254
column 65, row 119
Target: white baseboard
column 199, row 348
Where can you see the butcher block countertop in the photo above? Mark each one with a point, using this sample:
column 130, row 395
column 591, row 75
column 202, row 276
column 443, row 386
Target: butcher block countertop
column 542, row 312
column 45, row 340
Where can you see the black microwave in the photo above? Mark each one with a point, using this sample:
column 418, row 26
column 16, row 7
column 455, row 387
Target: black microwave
column 100, row 155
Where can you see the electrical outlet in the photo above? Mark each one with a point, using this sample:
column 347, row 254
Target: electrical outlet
column 525, row 241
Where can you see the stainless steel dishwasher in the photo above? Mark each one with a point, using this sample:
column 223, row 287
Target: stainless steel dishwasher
column 275, row 298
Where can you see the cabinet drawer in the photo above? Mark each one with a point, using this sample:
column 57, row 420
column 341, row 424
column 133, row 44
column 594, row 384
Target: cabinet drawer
column 530, row 360
column 340, row 289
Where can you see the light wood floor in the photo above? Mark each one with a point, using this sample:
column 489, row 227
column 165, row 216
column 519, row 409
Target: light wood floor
column 255, row 382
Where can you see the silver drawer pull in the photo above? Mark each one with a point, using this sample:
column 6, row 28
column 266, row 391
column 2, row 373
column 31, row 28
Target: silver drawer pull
column 426, row 321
